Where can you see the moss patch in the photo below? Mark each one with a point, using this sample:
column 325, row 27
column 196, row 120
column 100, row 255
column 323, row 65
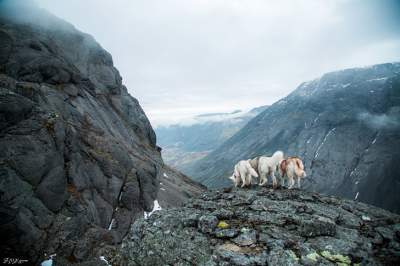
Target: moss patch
column 223, row 225
column 313, row 256
column 338, row 258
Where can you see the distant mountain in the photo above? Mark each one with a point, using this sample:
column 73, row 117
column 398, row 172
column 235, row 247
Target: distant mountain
column 346, row 127
column 186, row 143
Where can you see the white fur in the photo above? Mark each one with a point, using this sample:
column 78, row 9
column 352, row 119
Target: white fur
column 268, row 166
column 243, row 172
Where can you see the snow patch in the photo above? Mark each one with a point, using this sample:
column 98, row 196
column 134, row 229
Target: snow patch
column 156, row 207
column 346, row 85
column 165, row 175
column 48, row 262
column 377, row 79
column 373, row 142
column 111, row 224
column 104, row 259
column 365, row 218
column 323, row 142
column 163, row 189
column 355, row 198
column 316, row 119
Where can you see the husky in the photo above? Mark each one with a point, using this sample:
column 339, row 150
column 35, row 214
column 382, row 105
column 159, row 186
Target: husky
column 243, row 172
column 267, row 166
column 292, row 167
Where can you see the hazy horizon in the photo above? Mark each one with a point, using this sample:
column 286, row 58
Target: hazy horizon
column 184, row 58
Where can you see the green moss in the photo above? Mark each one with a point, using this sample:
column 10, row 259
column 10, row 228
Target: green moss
column 223, row 225
column 292, row 255
column 313, row 256
column 338, row 258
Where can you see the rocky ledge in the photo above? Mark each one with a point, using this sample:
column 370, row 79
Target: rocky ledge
column 262, row 226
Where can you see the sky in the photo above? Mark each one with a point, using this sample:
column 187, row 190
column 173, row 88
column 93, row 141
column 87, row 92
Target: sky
column 181, row 58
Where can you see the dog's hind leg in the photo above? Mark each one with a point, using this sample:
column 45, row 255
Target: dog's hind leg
column 290, row 180
column 274, row 183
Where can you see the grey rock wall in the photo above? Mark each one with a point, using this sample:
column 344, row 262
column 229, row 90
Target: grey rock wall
column 78, row 156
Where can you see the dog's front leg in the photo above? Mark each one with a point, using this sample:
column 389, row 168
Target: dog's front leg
column 298, row 182
column 263, row 179
column 282, row 181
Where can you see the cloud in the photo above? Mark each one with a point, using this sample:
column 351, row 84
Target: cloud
column 185, row 57
column 388, row 121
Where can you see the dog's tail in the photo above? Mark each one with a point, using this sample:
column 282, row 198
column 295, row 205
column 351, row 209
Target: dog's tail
column 251, row 170
column 278, row 156
column 299, row 164
column 300, row 168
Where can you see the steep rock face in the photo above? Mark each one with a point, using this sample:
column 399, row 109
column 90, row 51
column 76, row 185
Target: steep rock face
column 79, row 161
column 176, row 188
column 264, row 227
column 184, row 144
column 345, row 126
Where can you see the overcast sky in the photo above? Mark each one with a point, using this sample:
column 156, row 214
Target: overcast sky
column 180, row 58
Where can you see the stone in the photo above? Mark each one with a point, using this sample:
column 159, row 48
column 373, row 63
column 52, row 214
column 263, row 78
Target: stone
column 319, row 226
column 226, row 233
column 207, row 223
column 246, row 237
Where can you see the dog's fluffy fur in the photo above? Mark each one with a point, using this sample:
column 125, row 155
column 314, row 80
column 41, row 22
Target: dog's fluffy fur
column 292, row 167
column 243, row 172
column 268, row 166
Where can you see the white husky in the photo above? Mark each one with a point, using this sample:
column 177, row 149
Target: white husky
column 243, row 172
column 268, row 166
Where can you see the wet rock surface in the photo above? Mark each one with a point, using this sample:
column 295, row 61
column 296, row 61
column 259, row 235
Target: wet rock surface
column 266, row 227
column 78, row 156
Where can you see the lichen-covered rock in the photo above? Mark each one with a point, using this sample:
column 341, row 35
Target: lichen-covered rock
column 208, row 223
column 266, row 227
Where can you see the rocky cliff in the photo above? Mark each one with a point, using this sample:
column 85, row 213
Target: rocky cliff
column 264, row 227
column 346, row 127
column 79, row 161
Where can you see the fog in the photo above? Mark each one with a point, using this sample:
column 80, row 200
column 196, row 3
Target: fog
column 387, row 121
column 187, row 57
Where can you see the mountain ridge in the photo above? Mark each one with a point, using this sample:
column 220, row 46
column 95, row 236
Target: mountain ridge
column 319, row 121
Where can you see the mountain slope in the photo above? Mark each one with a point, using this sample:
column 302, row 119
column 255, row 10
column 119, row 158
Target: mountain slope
column 346, row 127
column 184, row 144
column 79, row 161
